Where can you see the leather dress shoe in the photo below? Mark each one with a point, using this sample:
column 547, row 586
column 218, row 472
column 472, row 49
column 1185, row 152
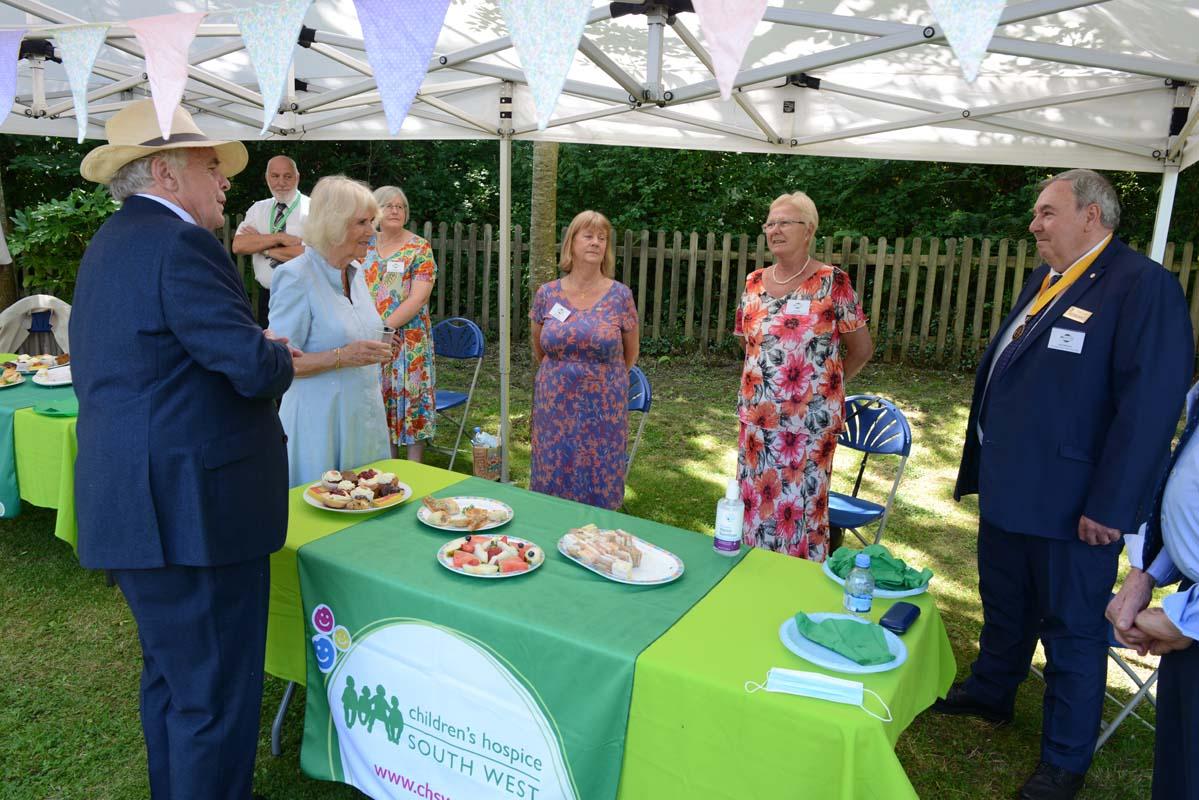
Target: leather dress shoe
column 1050, row 782
column 959, row 702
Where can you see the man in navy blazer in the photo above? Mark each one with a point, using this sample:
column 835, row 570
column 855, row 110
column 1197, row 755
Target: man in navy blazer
column 181, row 477
column 1075, row 402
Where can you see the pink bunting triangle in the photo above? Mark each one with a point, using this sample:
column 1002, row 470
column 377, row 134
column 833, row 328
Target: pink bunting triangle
column 166, row 40
column 728, row 27
column 400, row 36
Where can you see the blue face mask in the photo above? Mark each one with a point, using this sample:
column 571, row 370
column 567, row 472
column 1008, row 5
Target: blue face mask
column 821, row 687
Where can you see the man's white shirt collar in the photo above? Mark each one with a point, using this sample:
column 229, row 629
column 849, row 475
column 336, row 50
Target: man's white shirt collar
column 186, row 217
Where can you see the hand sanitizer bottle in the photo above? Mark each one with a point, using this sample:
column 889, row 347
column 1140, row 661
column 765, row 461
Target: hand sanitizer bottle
column 730, row 514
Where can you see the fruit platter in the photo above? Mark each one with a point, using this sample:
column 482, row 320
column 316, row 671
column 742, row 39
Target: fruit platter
column 482, row 556
column 361, row 492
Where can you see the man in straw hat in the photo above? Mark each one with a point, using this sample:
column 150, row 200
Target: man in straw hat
column 181, row 478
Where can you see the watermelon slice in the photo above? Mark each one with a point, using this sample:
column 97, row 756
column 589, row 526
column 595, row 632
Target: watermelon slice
column 463, row 558
column 514, row 565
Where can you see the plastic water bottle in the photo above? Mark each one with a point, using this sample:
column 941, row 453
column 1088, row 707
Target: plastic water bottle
column 476, row 438
column 859, row 586
column 730, row 514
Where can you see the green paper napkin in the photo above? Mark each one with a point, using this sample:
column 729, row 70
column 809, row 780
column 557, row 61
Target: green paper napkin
column 862, row 644
column 64, row 407
column 889, row 572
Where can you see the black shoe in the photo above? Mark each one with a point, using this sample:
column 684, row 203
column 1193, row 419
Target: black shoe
column 1049, row 782
column 958, row 702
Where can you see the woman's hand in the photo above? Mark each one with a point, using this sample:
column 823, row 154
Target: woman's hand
column 365, row 352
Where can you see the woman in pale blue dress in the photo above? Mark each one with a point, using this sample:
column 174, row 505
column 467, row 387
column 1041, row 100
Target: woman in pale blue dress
column 333, row 413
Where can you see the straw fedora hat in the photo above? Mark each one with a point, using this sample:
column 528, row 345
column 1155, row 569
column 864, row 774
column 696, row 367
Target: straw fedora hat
column 133, row 132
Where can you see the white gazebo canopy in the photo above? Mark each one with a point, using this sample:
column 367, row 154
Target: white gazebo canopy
column 1106, row 84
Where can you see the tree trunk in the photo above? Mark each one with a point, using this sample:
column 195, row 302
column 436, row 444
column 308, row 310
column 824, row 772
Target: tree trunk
column 8, row 279
column 543, row 234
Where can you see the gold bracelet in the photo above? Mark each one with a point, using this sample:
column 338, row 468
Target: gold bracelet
column 338, row 351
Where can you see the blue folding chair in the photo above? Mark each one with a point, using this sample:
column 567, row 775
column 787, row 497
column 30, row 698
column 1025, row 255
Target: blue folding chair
column 459, row 338
column 873, row 426
column 641, row 397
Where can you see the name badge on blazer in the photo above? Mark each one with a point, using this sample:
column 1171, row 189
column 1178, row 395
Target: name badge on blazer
column 559, row 312
column 1079, row 315
column 1066, row 340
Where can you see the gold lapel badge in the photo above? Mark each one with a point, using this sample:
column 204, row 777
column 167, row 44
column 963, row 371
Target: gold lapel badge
column 1079, row 315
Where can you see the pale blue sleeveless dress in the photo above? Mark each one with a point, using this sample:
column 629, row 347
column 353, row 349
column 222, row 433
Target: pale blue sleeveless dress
column 334, row 419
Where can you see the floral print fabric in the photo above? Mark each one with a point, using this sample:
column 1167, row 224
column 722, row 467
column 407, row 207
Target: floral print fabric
column 408, row 382
column 791, row 407
column 580, row 397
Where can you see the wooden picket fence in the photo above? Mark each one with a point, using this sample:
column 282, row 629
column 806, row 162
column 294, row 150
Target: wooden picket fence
column 932, row 302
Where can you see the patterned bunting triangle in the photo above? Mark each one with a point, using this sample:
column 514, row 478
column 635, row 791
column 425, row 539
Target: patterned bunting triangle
column 400, row 36
column 270, row 33
column 546, row 34
column 969, row 26
column 165, row 40
column 10, row 48
column 79, row 47
column 728, row 27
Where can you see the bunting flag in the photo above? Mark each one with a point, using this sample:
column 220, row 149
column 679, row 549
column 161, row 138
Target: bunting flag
column 165, row 40
column 10, row 48
column 969, row 26
column 546, row 34
column 728, row 27
column 400, row 36
column 79, row 47
column 270, row 33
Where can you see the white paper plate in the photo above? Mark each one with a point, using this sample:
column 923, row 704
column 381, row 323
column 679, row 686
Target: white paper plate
column 424, row 514
column 59, row 376
column 405, row 493
column 20, row 379
column 884, row 593
column 448, row 562
column 821, row 656
column 657, row 565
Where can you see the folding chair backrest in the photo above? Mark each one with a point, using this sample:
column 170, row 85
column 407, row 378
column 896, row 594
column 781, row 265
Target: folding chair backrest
column 457, row 337
column 875, row 425
column 641, row 397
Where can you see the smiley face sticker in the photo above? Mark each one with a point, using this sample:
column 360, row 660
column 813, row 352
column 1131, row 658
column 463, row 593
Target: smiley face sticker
column 325, row 652
column 341, row 638
column 322, row 618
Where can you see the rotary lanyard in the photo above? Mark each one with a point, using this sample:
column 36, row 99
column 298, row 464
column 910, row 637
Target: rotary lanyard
column 1047, row 292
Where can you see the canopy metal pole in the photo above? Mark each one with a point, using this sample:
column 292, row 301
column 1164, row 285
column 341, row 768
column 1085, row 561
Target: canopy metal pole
column 505, row 287
column 1165, row 207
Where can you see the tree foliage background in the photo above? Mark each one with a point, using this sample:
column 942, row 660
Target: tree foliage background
column 636, row 187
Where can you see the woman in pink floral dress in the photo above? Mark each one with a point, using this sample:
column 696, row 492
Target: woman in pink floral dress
column 400, row 272
column 793, row 318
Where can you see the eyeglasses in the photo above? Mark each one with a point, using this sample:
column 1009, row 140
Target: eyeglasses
column 394, row 207
column 781, row 223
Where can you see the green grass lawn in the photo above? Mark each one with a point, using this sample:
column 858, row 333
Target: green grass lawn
column 70, row 659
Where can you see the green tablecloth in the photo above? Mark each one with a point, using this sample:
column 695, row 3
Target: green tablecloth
column 557, row 646
column 13, row 399
column 45, row 448
column 695, row 732
column 285, row 639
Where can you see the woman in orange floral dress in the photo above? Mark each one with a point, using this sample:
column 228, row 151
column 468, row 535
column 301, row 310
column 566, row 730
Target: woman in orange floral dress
column 793, row 318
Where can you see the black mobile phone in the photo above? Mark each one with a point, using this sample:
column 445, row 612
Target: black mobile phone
column 900, row 617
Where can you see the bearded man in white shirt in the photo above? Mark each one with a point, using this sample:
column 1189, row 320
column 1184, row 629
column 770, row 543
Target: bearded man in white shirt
column 273, row 228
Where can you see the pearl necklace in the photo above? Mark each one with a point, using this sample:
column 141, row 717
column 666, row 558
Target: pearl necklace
column 774, row 273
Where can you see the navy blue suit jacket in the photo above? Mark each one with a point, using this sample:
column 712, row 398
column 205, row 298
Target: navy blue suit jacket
column 181, row 455
column 1069, row 434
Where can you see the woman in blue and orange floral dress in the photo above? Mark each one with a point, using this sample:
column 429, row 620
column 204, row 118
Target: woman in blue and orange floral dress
column 400, row 272
column 793, row 319
column 584, row 332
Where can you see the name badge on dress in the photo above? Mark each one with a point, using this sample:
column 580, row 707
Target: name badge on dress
column 799, row 305
column 1066, row 340
column 395, row 267
column 559, row 312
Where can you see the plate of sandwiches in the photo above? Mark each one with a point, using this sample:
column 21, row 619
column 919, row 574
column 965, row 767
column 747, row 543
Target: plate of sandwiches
column 464, row 513
column 620, row 556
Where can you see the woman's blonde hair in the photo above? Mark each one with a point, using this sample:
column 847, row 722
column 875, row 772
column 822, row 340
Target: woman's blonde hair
column 385, row 194
column 335, row 201
column 588, row 220
column 807, row 209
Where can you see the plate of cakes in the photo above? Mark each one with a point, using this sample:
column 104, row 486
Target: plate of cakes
column 361, row 492
column 464, row 513
column 28, row 363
